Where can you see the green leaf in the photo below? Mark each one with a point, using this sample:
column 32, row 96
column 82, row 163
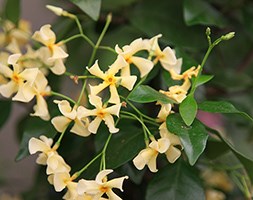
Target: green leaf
column 166, row 17
column 188, row 109
column 201, row 12
column 202, row 79
column 221, row 107
column 176, row 182
column 246, row 158
column 90, row 7
column 193, row 138
column 33, row 127
column 123, row 146
column 5, row 107
column 146, row 94
column 12, row 10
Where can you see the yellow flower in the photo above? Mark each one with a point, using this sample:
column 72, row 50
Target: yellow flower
column 21, row 33
column 164, row 111
column 144, row 65
column 111, row 80
column 17, row 76
column 48, row 156
column 40, row 89
column 100, row 186
column 174, row 150
column 166, row 57
column 54, row 53
column 148, row 155
column 61, row 122
column 193, row 71
column 101, row 113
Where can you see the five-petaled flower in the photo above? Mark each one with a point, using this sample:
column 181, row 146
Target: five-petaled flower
column 128, row 52
column 101, row 113
column 100, row 186
column 48, row 156
column 56, row 53
column 60, row 123
column 111, row 80
column 148, row 155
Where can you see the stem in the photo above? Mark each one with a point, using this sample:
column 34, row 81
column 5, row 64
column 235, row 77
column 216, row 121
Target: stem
column 142, row 123
column 104, row 151
column 79, row 25
column 71, row 38
column 86, row 166
column 108, row 21
column 58, row 143
column 107, row 48
column 62, row 96
column 81, row 94
column 136, row 110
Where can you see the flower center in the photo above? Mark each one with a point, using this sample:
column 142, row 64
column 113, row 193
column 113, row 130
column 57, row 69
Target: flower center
column 110, row 80
column 15, row 78
column 103, row 189
column 101, row 114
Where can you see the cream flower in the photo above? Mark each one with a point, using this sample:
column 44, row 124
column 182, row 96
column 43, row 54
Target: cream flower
column 174, row 150
column 144, row 65
column 39, row 89
column 101, row 186
column 148, row 155
column 164, row 111
column 101, row 113
column 48, row 156
column 16, row 76
column 54, row 54
column 61, row 122
column 111, row 80
column 20, row 33
column 193, row 71
column 166, row 57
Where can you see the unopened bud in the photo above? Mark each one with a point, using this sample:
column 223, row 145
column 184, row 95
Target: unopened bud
column 228, row 36
column 55, row 10
column 208, row 31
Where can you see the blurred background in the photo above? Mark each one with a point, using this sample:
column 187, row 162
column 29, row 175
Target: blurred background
column 183, row 24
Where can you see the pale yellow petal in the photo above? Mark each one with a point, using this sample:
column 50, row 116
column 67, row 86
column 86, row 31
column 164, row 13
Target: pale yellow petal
column 46, row 36
column 83, row 112
column 42, row 159
column 8, row 89
column 81, row 127
column 172, row 154
column 41, row 109
column 25, row 93
column 114, row 98
column 168, row 57
column 60, row 181
column 58, row 53
column 58, row 67
column 118, row 64
column 87, row 186
column 152, row 163
column 95, row 101
column 41, row 82
column 93, row 126
column 143, row 158
column 102, row 174
column 144, row 65
column 36, row 145
column 96, row 71
column 125, row 71
column 112, row 196
column 110, row 123
column 94, row 90
column 116, row 182
column 161, row 145
column 66, row 109
column 128, row 81
column 30, row 75
column 60, row 123
column 114, row 110
column 5, row 70
column 12, row 60
column 176, row 67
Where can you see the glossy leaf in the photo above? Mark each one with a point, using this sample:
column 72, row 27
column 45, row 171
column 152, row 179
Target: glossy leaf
column 12, row 10
column 221, row 107
column 193, row 138
column 123, row 146
column 5, row 107
column 169, row 14
column 201, row 12
column 202, row 79
column 188, row 109
column 177, row 181
column 90, row 7
column 33, row 127
column 146, row 94
column 245, row 157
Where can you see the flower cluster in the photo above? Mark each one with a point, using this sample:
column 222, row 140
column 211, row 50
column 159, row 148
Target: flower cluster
column 23, row 76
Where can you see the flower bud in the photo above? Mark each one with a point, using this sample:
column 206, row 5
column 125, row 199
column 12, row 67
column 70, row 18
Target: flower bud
column 228, row 36
column 56, row 10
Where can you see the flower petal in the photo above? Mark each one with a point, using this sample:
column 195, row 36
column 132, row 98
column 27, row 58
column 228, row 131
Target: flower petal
column 36, row 145
column 172, row 154
column 60, row 123
column 94, row 90
column 118, row 64
column 143, row 64
column 93, row 126
column 128, row 81
column 8, row 89
column 116, row 182
column 112, row 196
column 110, row 123
column 114, row 110
column 96, row 71
column 114, row 98
column 102, row 174
column 80, row 128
